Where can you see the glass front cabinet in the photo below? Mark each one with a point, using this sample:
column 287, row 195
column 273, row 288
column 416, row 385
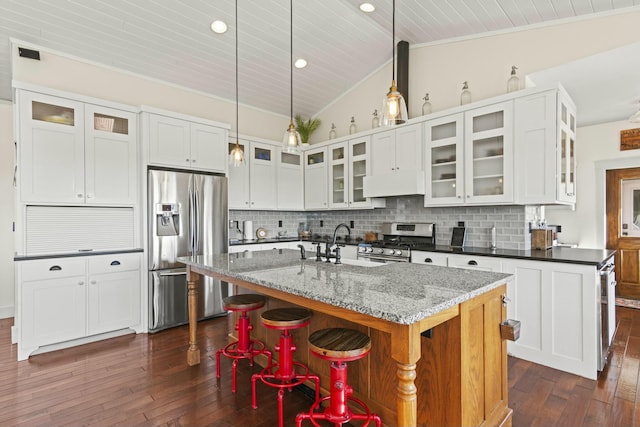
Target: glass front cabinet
column 489, row 154
column 349, row 163
column 444, row 165
column 566, row 150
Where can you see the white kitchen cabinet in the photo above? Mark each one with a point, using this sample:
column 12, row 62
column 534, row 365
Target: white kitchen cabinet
column 254, row 184
column 556, row 304
column 185, row 144
column 396, row 163
column 75, row 152
column 238, row 179
column 262, row 175
column 488, row 154
column 473, row 262
column 290, row 181
column 339, row 175
column 316, row 179
column 64, row 299
column 545, row 135
column 431, row 258
column 444, row 160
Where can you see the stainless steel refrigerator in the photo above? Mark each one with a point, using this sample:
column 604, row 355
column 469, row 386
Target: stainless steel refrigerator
column 187, row 214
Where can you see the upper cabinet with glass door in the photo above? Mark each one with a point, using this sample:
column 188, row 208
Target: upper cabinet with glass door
column 545, row 135
column 73, row 152
column 444, row 160
column 489, row 154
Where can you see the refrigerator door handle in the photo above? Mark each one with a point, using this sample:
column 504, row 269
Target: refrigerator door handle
column 196, row 219
column 192, row 215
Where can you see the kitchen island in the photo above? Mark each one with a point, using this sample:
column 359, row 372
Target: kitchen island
column 435, row 331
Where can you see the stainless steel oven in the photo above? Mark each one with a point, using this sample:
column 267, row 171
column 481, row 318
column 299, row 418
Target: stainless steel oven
column 607, row 317
column 398, row 241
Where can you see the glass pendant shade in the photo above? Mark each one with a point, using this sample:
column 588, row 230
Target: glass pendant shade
column 291, row 141
column 236, row 157
column 395, row 108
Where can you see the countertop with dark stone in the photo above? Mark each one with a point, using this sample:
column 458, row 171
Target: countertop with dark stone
column 398, row 292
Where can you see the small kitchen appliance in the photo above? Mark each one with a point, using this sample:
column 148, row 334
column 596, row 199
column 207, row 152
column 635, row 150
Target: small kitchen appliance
column 398, row 240
column 247, row 230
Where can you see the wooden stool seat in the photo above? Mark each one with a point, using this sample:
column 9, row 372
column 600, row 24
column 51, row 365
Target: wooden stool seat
column 286, row 318
column 339, row 344
column 244, row 302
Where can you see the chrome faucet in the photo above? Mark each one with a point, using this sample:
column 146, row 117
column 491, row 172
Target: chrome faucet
column 337, row 250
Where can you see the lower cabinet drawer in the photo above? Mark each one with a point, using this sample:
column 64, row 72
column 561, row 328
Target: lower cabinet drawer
column 114, row 263
column 475, row 262
column 55, row 268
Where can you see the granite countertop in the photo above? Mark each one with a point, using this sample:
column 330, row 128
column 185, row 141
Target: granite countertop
column 596, row 257
column 398, row 292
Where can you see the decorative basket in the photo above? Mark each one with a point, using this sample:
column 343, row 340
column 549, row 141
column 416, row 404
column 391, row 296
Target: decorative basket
column 103, row 123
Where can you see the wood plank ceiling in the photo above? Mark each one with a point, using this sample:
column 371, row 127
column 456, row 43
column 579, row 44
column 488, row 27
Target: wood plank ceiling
column 170, row 40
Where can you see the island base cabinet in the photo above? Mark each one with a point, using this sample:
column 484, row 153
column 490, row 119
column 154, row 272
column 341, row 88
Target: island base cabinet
column 461, row 376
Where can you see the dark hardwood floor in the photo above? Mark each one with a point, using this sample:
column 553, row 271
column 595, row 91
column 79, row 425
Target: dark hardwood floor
column 144, row 380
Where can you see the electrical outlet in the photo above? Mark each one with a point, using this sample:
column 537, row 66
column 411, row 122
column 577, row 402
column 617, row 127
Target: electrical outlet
column 321, row 223
column 280, row 223
column 460, row 223
column 352, row 224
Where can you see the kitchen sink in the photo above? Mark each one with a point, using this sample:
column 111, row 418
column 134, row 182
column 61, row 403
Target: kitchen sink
column 361, row 262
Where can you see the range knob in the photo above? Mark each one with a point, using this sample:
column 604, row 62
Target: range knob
column 398, row 252
column 379, row 251
column 369, row 249
column 389, row 251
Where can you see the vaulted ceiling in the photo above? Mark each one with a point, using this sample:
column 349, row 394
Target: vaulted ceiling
column 171, row 40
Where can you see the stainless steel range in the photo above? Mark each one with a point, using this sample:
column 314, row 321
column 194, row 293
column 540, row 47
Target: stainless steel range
column 399, row 238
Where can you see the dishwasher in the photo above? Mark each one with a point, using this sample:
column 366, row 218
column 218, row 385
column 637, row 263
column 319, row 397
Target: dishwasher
column 607, row 317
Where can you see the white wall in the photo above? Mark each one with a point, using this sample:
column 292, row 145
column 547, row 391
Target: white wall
column 594, row 145
column 7, row 195
column 58, row 71
column 484, row 62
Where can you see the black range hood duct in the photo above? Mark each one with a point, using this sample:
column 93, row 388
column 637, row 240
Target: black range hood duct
column 402, row 71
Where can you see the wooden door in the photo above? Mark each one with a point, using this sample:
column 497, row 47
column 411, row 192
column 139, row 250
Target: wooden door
column 627, row 247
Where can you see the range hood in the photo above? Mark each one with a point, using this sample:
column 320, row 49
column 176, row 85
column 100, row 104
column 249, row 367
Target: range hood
column 397, row 183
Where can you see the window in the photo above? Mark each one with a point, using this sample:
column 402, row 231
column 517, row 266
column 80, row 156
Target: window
column 630, row 207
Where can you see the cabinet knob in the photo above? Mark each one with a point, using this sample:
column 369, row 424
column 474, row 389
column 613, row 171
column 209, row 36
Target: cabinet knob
column 81, row 283
column 246, row 203
column 79, row 195
column 459, row 196
column 468, row 196
column 252, row 203
column 193, row 161
column 186, row 160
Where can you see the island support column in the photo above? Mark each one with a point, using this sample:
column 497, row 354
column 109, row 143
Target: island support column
column 193, row 354
column 405, row 342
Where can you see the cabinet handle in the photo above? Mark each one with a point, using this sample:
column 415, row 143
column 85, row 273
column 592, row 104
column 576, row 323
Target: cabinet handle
column 428, row 260
column 193, row 161
column 115, row 262
column 472, row 262
column 93, row 282
column 246, row 203
column 186, row 160
column 459, row 196
column 468, row 196
column 55, row 268
column 252, row 203
column 79, row 195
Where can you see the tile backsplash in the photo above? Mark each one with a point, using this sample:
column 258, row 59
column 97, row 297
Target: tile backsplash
column 511, row 222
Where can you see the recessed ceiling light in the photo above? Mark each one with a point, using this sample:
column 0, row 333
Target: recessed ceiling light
column 218, row 27
column 300, row 63
column 367, row 7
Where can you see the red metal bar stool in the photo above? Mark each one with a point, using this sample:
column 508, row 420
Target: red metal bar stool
column 283, row 373
column 244, row 347
column 339, row 345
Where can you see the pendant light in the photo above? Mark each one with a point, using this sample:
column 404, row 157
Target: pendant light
column 236, row 156
column 394, row 111
column 291, row 142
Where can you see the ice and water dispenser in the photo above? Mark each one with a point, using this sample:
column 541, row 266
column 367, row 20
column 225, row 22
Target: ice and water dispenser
column 167, row 219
